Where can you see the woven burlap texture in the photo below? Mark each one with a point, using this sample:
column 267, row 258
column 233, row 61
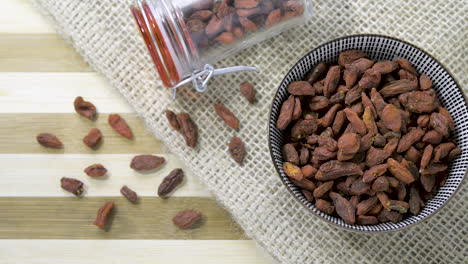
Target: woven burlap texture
column 103, row 32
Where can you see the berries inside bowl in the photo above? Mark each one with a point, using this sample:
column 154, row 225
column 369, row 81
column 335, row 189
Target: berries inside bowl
column 364, row 131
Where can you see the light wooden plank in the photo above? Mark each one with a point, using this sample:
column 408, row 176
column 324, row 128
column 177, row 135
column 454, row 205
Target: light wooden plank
column 132, row 251
column 55, row 92
column 19, row 16
column 18, row 134
column 72, row 218
column 38, row 53
column 44, row 181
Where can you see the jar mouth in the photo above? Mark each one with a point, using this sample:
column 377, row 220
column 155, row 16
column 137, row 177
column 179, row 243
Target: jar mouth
column 158, row 42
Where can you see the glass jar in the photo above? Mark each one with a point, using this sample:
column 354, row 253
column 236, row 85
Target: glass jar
column 185, row 37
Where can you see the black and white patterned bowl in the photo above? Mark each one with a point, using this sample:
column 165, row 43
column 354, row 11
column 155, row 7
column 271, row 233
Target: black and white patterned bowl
column 380, row 48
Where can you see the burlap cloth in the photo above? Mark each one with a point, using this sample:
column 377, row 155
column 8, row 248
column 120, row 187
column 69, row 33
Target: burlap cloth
column 103, row 32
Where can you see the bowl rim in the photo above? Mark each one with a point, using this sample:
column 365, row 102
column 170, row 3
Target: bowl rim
column 294, row 195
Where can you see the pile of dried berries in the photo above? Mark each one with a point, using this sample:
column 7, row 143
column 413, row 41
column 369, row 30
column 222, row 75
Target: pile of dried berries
column 368, row 141
column 212, row 22
column 185, row 219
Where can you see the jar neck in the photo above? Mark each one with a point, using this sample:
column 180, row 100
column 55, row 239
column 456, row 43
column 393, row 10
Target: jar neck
column 167, row 39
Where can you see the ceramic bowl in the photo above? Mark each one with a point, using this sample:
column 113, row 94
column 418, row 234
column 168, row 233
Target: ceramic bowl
column 380, row 48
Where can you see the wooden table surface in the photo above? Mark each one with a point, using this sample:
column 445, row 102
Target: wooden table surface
column 40, row 223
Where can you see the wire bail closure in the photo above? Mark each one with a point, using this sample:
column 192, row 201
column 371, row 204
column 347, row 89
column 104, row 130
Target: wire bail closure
column 200, row 79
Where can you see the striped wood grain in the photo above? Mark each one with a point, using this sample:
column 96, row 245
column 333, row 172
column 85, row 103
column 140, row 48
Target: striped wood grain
column 19, row 16
column 18, row 134
column 38, row 53
column 35, row 64
column 54, row 92
column 72, row 218
column 33, row 175
column 131, row 251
